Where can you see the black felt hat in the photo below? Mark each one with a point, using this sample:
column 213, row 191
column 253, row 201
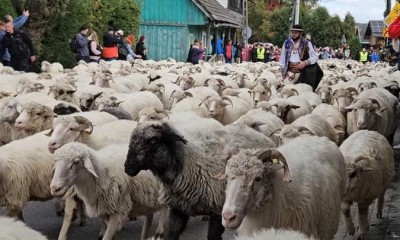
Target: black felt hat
column 297, row 27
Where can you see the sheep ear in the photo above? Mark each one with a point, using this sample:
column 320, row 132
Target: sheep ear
column 91, row 83
column 292, row 106
column 19, row 108
column 177, row 138
column 97, row 95
column 349, row 108
column 364, row 169
column 256, row 125
column 339, row 129
column 49, row 133
column 89, row 166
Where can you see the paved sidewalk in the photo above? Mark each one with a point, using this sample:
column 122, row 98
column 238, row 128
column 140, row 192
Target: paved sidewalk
column 387, row 228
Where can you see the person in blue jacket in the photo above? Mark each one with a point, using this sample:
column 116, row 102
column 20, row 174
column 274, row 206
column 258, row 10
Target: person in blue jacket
column 18, row 22
column 220, row 49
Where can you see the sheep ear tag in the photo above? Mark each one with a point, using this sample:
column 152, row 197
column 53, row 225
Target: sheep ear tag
column 89, row 166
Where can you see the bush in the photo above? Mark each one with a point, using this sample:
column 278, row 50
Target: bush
column 6, row 8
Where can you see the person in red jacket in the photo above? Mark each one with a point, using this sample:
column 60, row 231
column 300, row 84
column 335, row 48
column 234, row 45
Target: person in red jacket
column 110, row 44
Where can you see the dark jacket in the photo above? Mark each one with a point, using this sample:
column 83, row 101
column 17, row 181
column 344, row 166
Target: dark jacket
column 18, row 44
column 196, row 54
column 110, row 40
column 140, row 50
column 82, row 44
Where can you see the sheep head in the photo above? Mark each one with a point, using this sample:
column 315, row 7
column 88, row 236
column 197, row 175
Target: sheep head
column 186, row 82
column 216, row 106
column 325, row 94
column 290, row 132
column 67, row 129
column 287, row 92
column 71, row 161
column 281, row 108
column 254, row 171
column 152, row 114
column 177, row 96
column 366, row 85
column 10, row 111
column 261, row 93
column 87, row 101
column 365, row 112
column 356, row 172
column 342, row 98
column 156, row 146
column 34, row 117
column 216, row 84
column 62, row 92
column 107, row 102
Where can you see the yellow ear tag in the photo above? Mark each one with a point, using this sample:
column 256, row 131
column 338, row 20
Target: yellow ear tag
column 275, row 161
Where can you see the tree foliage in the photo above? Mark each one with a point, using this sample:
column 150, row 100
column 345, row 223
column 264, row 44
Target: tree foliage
column 54, row 22
column 6, row 8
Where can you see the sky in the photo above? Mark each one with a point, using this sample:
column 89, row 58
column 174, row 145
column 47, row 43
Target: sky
column 362, row 10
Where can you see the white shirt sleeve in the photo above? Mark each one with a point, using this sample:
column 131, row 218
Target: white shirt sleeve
column 282, row 60
column 313, row 55
column 396, row 45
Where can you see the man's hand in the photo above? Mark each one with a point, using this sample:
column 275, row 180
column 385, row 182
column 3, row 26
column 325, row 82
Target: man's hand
column 33, row 58
column 138, row 56
column 302, row 65
column 25, row 13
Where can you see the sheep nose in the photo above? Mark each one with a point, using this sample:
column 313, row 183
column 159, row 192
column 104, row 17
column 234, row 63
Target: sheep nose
column 55, row 189
column 360, row 124
column 229, row 216
column 323, row 100
column 256, row 101
column 52, row 144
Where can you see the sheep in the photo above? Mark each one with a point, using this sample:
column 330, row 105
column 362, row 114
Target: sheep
column 312, row 98
column 370, row 169
column 87, row 101
column 275, row 234
column 34, row 117
column 77, row 128
column 290, row 109
column 334, row 117
column 300, row 87
column 191, row 105
column 99, row 179
column 376, row 109
column 152, row 114
column 10, row 229
column 342, row 98
column 47, row 67
column 267, row 200
column 185, row 164
column 64, row 92
column 219, row 109
column 185, row 82
column 121, row 85
column 365, row 86
column 64, row 108
column 132, row 103
column 325, row 94
column 262, row 121
column 165, row 92
column 260, row 93
column 308, row 124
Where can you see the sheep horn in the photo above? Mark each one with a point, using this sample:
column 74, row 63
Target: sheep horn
column 373, row 84
column 160, row 85
column 227, row 99
column 221, row 82
column 269, row 156
column 172, row 94
column 162, row 111
column 205, row 99
column 359, row 85
column 84, row 124
column 206, row 82
column 352, row 89
column 303, row 130
column 188, row 94
column 374, row 101
column 294, row 90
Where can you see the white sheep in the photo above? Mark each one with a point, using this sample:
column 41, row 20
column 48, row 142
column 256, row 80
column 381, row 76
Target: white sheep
column 269, row 199
column 99, row 179
column 334, row 117
column 132, row 103
column 226, row 109
column 191, row 105
column 290, row 109
column 276, row 234
column 370, row 169
column 34, row 118
column 52, row 67
column 308, row 124
column 10, row 229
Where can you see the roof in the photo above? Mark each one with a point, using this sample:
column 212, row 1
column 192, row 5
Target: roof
column 361, row 29
column 222, row 16
column 375, row 28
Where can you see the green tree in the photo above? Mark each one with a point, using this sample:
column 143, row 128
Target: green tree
column 258, row 20
column 349, row 26
column 6, row 8
column 355, row 47
column 280, row 24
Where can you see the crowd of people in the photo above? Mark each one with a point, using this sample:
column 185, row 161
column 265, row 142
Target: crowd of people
column 115, row 45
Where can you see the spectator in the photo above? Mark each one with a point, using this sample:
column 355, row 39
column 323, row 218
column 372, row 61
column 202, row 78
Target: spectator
column 220, row 49
column 375, row 57
column 19, row 45
column 94, row 47
column 363, row 56
column 197, row 52
column 347, row 53
column 110, row 44
column 125, row 50
column 140, row 48
column 261, row 53
column 229, row 52
column 18, row 23
column 82, row 52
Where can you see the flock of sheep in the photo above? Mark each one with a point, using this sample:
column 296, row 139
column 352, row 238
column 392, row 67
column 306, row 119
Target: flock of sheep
column 226, row 141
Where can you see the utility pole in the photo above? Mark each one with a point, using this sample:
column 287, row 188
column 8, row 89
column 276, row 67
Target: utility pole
column 297, row 13
column 245, row 26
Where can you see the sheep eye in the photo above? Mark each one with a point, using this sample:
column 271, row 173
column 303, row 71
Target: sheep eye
column 61, row 92
column 264, row 92
column 257, row 179
column 72, row 129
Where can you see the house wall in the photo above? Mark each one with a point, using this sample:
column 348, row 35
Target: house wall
column 224, row 3
column 169, row 33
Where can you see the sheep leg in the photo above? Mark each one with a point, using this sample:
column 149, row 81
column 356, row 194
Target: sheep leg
column 347, row 217
column 70, row 206
column 215, row 227
column 80, row 211
column 114, row 224
column 15, row 212
column 362, row 221
column 381, row 199
column 102, row 229
column 146, row 226
column 161, row 223
column 176, row 224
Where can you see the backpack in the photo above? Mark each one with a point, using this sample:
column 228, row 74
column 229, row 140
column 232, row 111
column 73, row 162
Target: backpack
column 394, row 28
column 73, row 45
